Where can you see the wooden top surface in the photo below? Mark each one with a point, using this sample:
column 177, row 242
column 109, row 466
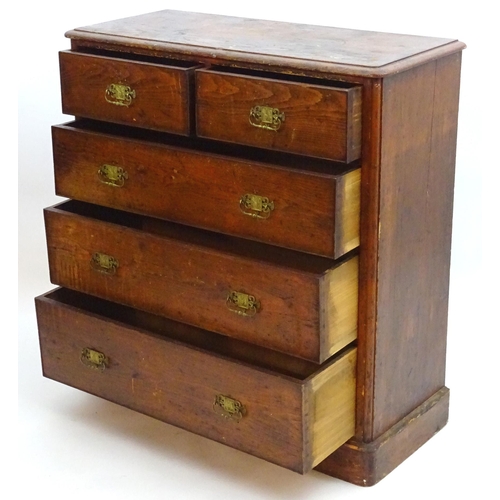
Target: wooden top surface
column 268, row 43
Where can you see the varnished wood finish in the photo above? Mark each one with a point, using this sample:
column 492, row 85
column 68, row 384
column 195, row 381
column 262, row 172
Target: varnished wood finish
column 314, row 211
column 404, row 294
column 365, row 464
column 162, row 92
column 283, row 422
column 259, row 43
column 368, row 250
column 419, row 120
column 318, row 120
column 187, row 275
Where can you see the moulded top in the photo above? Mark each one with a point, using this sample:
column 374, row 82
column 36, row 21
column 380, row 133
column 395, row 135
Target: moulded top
column 267, row 43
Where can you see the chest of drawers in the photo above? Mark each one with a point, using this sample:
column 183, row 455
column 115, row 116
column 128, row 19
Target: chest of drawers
column 257, row 242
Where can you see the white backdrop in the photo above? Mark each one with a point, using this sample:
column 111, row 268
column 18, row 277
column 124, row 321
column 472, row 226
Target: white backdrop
column 72, row 445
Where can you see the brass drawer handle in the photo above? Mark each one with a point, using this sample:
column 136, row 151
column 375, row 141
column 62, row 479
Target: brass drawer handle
column 266, row 117
column 256, row 206
column 229, row 408
column 103, row 263
column 242, row 303
column 119, row 94
column 112, row 175
column 93, row 359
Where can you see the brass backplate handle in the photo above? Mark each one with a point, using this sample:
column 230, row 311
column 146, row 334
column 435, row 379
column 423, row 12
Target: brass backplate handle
column 119, row 94
column 93, row 359
column 229, row 408
column 259, row 207
column 242, row 303
column 266, row 117
column 112, row 175
column 103, row 263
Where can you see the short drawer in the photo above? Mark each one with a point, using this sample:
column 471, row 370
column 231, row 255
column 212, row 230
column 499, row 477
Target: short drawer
column 134, row 92
column 316, row 119
column 293, row 416
column 303, row 305
column 314, row 211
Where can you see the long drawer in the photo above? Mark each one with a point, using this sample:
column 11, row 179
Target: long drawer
column 293, row 417
column 141, row 93
column 314, row 211
column 288, row 301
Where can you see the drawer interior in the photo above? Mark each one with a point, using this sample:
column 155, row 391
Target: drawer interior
column 189, row 235
column 284, row 77
column 129, row 56
column 247, row 153
column 195, row 337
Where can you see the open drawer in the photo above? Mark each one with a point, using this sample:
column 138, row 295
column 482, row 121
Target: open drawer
column 319, row 118
column 284, row 410
column 153, row 95
column 305, row 306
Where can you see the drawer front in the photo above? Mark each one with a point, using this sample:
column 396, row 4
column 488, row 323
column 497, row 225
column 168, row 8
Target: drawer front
column 287, row 116
column 135, row 93
column 307, row 313
column 305, row 211
column 288, row 421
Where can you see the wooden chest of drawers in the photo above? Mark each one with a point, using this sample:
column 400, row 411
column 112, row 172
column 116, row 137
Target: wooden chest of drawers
column 257, row 243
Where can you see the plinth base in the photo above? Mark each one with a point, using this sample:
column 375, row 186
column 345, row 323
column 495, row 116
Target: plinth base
column 365, row 464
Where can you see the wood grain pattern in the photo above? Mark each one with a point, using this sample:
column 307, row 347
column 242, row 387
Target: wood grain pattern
column 319, row 121
column 220, row 345
column 177, row 383
column 419, row 121
column 262, row 43
column 368, row 257
column 168, row 181
column 414, row 158
column 333, row 404
column 339, row 297
column 180, row 274
column 162, row 93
